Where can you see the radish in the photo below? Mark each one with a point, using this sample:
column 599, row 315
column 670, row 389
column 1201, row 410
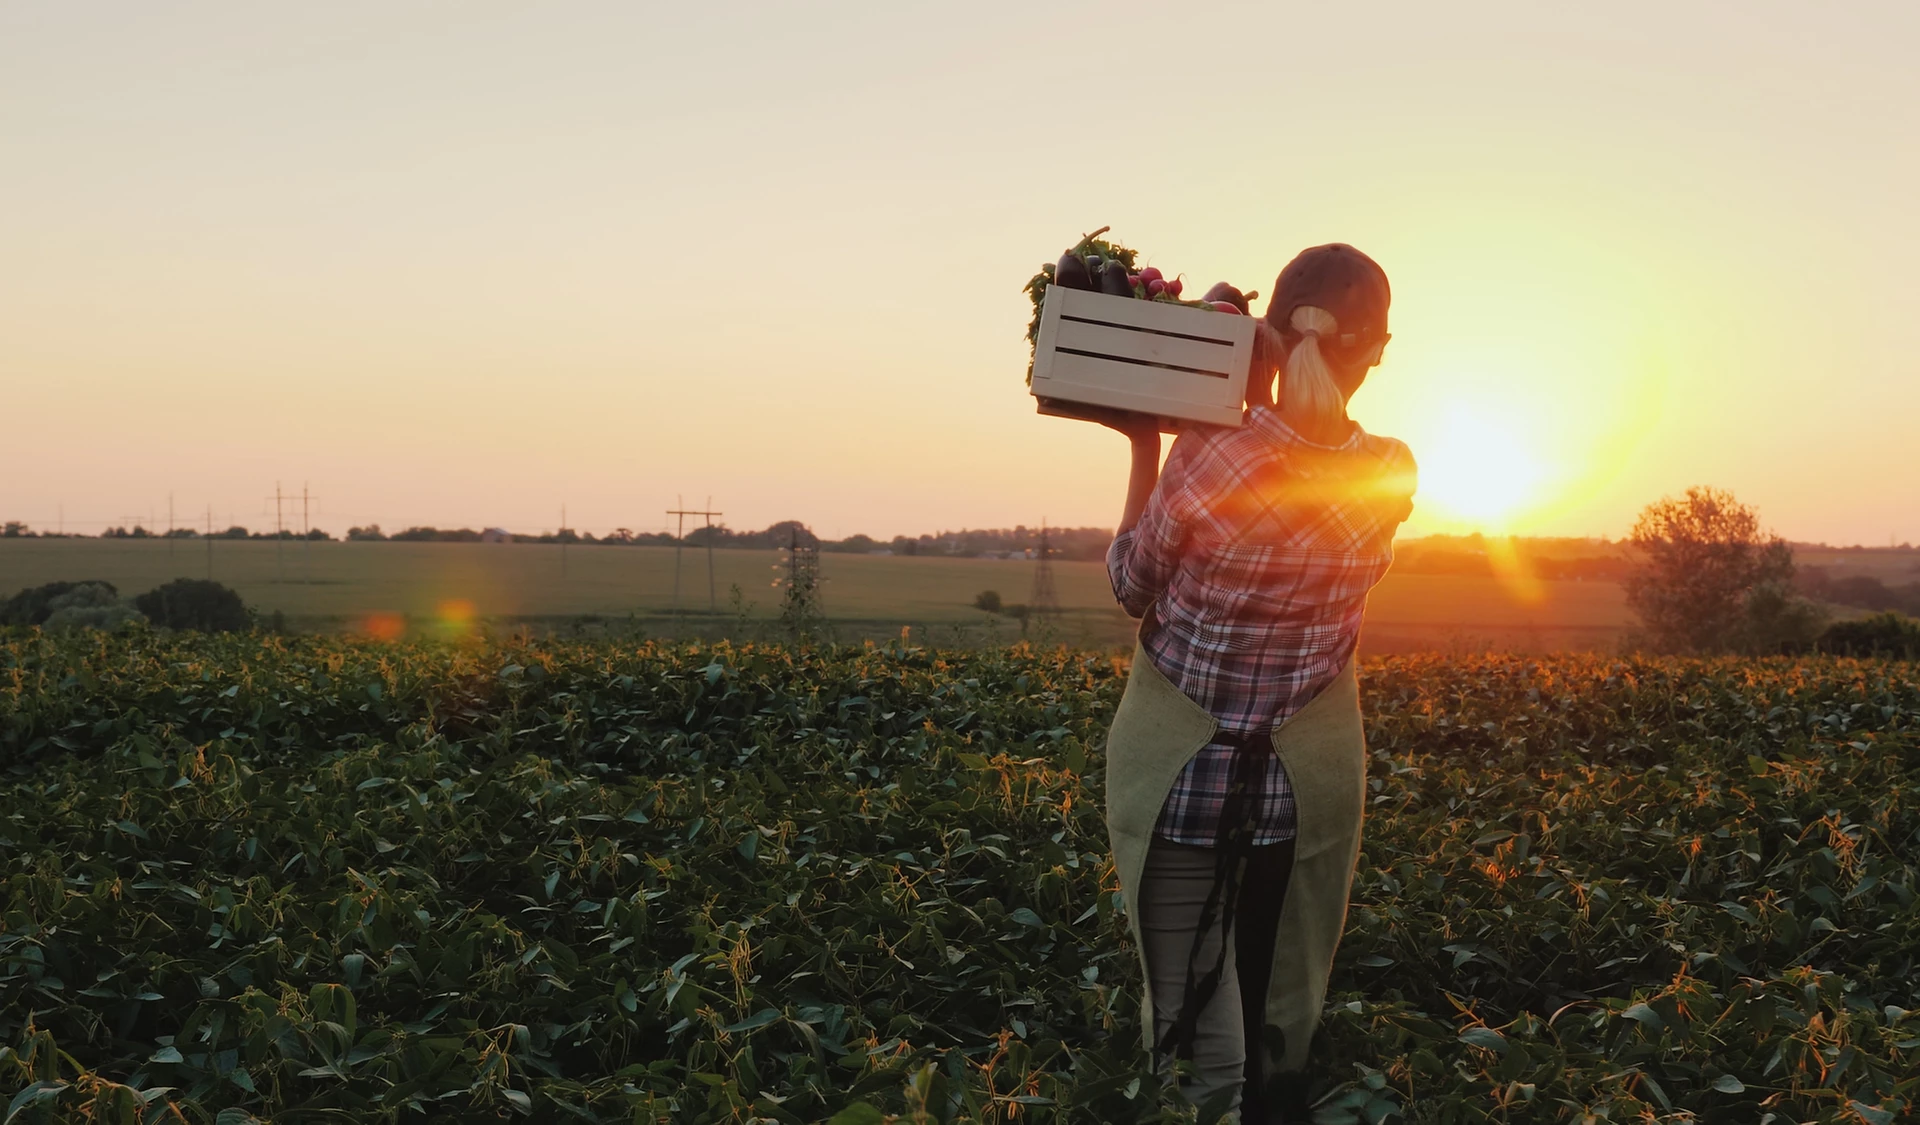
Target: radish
column 1150, row 274
column 1173, row 288
column 1156, row 287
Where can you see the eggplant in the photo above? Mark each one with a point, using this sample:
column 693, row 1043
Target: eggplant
column 1227, row 293
column 1071, row 273
column 1113, row 279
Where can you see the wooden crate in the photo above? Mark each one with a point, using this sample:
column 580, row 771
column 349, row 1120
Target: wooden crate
column 1166, row 361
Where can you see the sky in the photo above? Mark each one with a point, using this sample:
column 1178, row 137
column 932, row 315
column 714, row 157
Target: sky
column 468, row 263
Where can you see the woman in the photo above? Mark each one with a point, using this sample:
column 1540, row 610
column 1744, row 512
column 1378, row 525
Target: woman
column 1236, row 762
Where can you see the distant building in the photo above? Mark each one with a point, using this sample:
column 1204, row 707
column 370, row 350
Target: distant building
column 496, row 535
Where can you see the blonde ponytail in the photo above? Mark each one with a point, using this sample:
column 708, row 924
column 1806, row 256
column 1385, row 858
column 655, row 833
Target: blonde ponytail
column 1309, row 390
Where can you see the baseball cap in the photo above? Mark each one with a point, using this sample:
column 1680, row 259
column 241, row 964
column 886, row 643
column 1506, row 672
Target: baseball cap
column 1339, row 279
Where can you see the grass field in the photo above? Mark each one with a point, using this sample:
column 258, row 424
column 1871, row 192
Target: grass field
column 331, row 586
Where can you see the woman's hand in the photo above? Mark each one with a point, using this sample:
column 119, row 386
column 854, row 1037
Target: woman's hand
column 1137, row 427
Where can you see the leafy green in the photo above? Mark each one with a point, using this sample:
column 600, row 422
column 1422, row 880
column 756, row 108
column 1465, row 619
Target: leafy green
column 316, row 878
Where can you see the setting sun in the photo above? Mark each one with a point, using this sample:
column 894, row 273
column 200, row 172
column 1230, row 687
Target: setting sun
column 1478, row 469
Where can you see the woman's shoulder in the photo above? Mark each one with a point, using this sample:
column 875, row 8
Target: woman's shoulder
column 1391, row 452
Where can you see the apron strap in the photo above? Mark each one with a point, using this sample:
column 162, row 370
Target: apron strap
column 1233, row 846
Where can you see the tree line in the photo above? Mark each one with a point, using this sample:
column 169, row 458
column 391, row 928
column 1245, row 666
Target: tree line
column 1082, row 543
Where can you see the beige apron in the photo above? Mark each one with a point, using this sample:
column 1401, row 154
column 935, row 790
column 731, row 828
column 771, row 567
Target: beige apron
column 1155, row 731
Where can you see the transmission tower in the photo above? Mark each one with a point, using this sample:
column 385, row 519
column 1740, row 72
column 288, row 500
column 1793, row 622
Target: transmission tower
column 1045, row 602
column 680, row 541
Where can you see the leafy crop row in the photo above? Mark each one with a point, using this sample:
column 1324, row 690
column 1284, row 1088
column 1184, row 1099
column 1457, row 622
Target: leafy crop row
column 319, row 879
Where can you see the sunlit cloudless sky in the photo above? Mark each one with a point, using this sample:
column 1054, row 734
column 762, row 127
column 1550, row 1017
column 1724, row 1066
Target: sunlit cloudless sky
column 461, row 263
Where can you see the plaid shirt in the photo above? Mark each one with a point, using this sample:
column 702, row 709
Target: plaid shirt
column 1256, row 553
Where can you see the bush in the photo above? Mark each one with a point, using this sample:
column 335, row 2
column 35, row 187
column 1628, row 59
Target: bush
column 1883, row 634
column 988, row 600
column 33, row 605
column 90, row 605
column 194, row 603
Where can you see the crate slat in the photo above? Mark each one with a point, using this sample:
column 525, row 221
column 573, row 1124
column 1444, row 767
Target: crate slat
column 1147, row 357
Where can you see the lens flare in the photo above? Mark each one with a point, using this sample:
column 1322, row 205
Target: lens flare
column 384, row 626
column 455, row 617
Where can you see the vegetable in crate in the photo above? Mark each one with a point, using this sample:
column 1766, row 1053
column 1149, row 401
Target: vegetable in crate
column 1102, row 266
column 1091, row 245
column 1071, row 272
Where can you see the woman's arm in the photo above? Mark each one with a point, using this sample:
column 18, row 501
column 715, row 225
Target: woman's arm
column 1144, row 474
column 1147, row 545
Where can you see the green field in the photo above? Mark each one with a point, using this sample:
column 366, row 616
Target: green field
column 334, row 586
column 327, row 879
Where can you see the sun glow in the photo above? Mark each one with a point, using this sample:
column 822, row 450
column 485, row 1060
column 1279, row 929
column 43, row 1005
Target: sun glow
column 1477, row 468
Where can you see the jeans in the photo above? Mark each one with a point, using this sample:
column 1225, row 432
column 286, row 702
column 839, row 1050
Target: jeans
column 1173, row 894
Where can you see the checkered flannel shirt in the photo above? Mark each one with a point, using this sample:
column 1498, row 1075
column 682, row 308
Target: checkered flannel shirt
column 1256, row 553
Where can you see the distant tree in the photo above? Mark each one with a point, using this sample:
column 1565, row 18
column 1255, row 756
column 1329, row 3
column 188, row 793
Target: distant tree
column 234, row 532
column 361, row 534
column 317, row 534
column 194, row 603
column 436, row 535
column 854, row 545
column 787, row 532
column 14, row 529
column 1713, row 581
column 904, row 546
column 987, row 600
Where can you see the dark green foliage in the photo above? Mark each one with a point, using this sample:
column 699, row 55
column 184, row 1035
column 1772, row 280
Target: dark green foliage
column 310, row 878
column 194, row 603
column 988, row 601
column 32, row 606
column 1883, row 634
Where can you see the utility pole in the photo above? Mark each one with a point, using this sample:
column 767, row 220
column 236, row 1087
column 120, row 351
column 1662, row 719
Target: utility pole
column 279, row 538
column 679, row 541
column 306, row 534
column 209, row 542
